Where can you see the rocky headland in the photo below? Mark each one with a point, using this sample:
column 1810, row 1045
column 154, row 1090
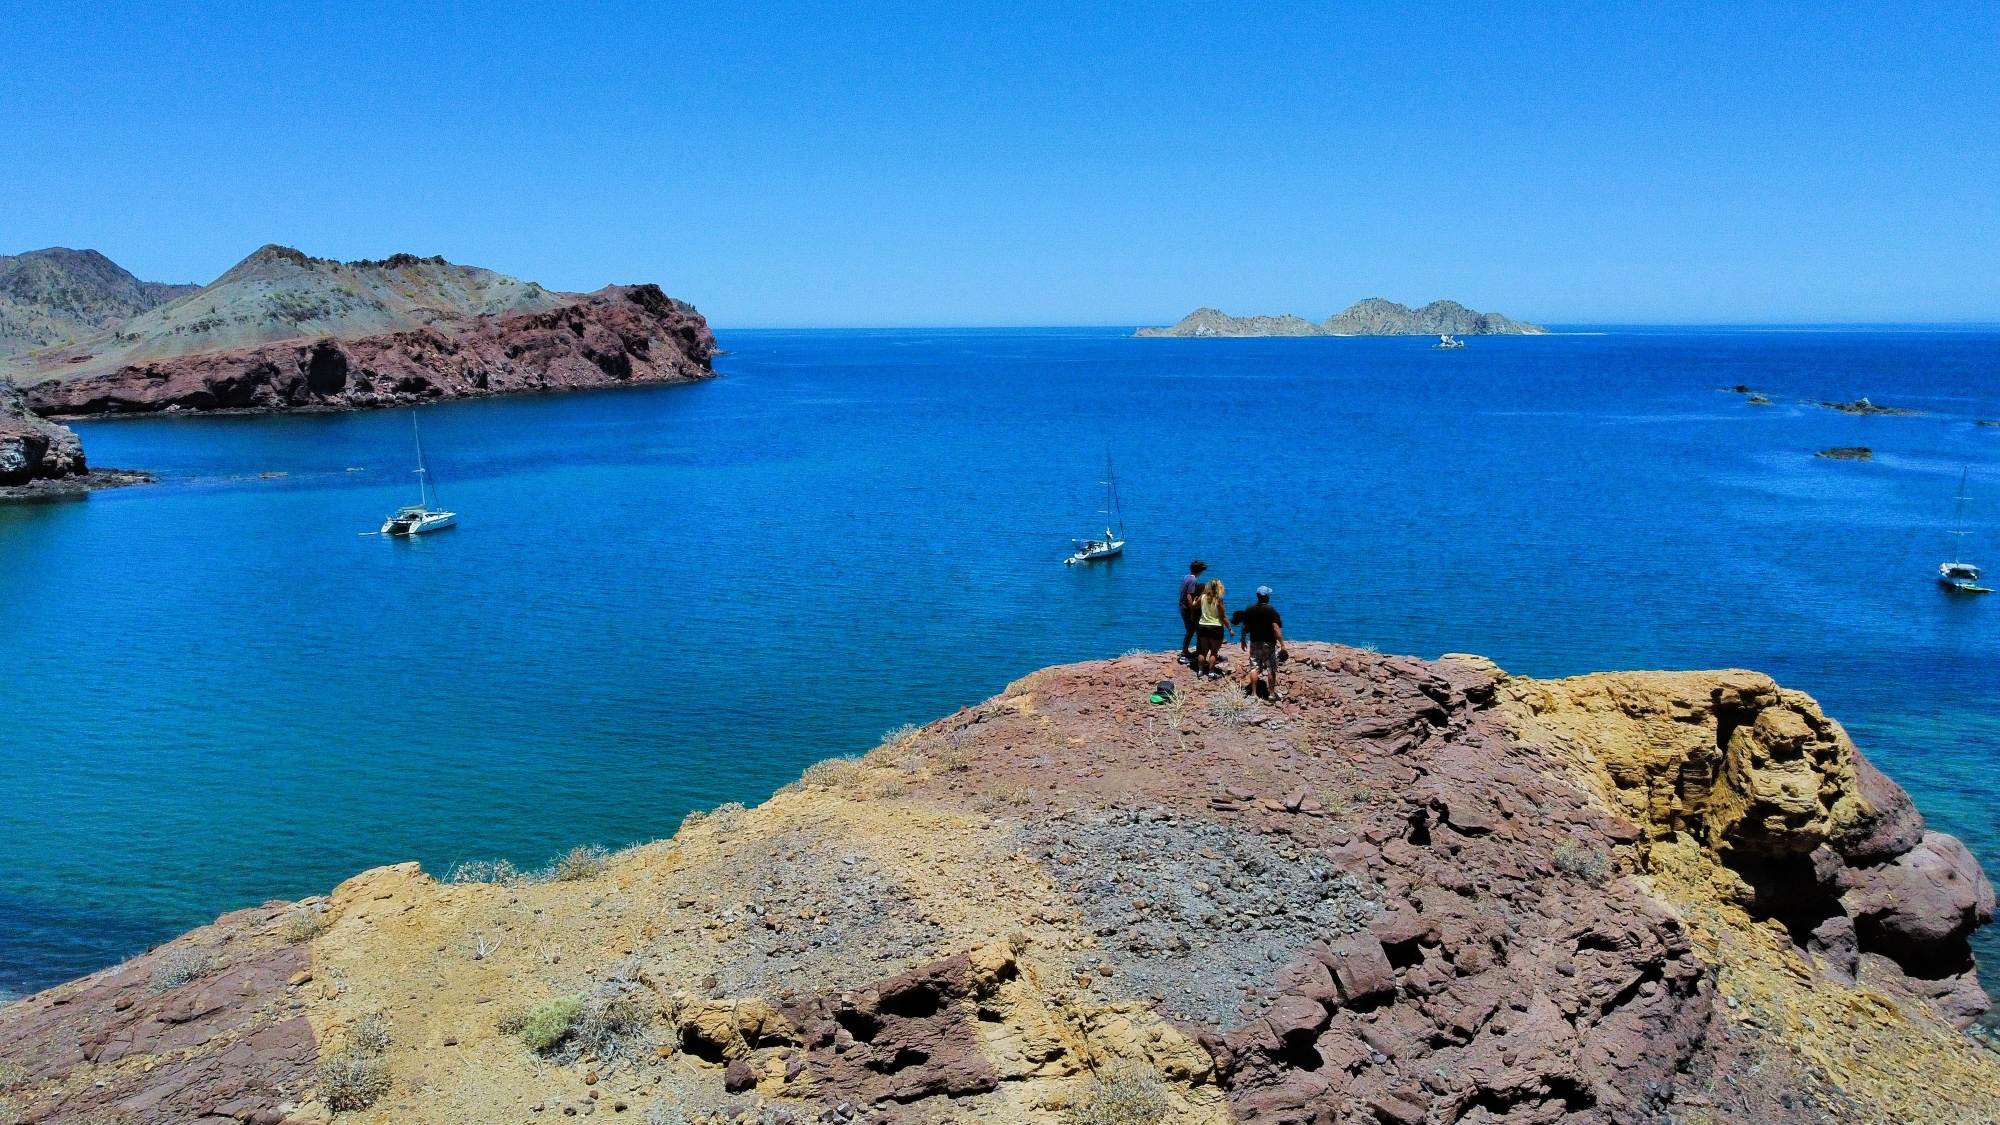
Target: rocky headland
column 40, row 460
column 1411, row 891
column 1372, row 317
column 284, row 331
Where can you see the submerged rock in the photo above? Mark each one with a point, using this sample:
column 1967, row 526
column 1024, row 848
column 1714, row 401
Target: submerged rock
column 1412, row 891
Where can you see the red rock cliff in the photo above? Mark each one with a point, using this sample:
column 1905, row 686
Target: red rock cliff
column 619, row 335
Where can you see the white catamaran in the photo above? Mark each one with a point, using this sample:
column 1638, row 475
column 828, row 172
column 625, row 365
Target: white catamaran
column 416, row 519
column 1448, row 341
column 1957, row 575
column 1090, row 550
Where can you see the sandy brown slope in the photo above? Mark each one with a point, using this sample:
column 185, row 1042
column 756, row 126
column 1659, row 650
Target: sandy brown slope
column 1410, row 892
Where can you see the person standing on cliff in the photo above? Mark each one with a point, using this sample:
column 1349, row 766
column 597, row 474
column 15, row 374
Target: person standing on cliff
column 1190, row 607
column 1264, row 636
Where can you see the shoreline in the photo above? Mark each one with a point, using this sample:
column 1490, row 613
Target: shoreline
column 47, row 490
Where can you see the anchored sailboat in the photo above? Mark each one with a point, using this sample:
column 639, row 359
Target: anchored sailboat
column 1448, row 341
column 1090, row 550
column 415, row 519
column 1957, row 575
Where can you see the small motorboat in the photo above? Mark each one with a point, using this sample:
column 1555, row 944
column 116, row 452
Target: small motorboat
column 1957, row 575
column 1090, row 550
column 426, row 514
column 1448, row 341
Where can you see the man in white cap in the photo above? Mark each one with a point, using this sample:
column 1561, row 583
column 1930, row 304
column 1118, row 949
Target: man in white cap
column 1264, row 636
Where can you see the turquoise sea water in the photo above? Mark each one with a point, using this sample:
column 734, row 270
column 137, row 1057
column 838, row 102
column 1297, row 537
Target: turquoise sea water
column 217, row 692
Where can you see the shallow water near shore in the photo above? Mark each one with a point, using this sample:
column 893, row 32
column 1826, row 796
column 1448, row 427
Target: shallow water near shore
column 660, row 599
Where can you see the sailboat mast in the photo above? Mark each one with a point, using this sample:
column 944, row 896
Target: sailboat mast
column 423, row 473
column 1958, row 521
column 1111, row 494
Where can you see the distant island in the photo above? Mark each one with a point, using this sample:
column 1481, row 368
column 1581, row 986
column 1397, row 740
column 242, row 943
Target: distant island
column 1372, row 317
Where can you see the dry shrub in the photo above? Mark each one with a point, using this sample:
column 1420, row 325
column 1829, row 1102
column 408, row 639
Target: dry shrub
column 179, row 967
column 351, row 1080
column 835, row 773
column 1131, row 1096
column 584, row 862
column 369, row 1035
column 487, row 871
column 1592, row 865
column 303, row 923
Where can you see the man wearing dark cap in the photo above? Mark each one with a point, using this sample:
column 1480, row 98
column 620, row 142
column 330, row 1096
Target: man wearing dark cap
column 1264, row 636
column 1190, row 605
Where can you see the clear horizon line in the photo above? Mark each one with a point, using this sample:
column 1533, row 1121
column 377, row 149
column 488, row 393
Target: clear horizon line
column 1555, row 328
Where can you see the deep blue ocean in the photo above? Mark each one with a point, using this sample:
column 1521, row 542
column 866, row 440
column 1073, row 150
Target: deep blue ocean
column 218, row 692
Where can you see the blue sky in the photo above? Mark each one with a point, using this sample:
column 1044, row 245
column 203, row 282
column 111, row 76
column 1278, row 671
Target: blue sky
column 1078, row 163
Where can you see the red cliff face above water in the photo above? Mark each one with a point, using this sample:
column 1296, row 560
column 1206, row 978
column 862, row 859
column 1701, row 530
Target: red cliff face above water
column 616, row 336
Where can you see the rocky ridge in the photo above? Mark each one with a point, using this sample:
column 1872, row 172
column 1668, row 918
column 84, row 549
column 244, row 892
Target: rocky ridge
column 1411, row 891
column 1372, row 317
column 51, row 297
column 617, row 336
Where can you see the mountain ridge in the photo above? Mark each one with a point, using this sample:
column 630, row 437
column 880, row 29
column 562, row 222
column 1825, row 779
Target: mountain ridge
column 53, row 296
column 278, row 293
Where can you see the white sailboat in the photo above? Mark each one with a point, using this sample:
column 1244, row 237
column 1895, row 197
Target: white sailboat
column 1957, row 575
column 1090, row 550
column 1447, row 340
column 418, row 518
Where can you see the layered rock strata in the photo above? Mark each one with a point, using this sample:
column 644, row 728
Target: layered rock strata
column 620, row 335
column 1411, row 891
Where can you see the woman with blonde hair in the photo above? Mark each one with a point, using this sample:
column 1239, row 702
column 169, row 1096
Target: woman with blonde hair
column 1211, row 628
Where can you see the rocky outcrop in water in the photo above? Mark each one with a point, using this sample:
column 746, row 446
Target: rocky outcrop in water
column 32, row 449
column 620, row 335
column 1372, row 317
column 52, row 297
column 1410, row 892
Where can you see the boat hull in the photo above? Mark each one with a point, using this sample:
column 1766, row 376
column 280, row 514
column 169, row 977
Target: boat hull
column 1964, row 587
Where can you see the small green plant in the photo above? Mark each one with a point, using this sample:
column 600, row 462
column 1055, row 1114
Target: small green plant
column 585, row 862
column 303, row 923
column 599, row 1025
column 1131, row 1096
column 178, row 968
column 544, row 1029
column 1591, row 865
column 351, row 1080
column 896, row 736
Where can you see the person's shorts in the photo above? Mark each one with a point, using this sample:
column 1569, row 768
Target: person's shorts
column 1210, row 632
column 1264, row 656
